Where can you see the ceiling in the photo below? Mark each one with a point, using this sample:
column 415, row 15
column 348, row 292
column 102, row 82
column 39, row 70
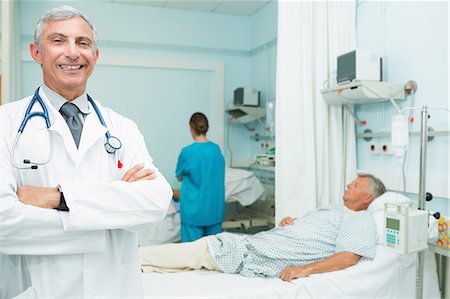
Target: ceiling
column 233, row 7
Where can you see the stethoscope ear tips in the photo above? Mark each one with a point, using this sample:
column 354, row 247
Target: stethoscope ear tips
column 26, row 161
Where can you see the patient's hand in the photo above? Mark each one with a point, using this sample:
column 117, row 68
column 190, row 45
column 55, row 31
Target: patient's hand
column 293, row 272
column 138, row 173
column 287, row 221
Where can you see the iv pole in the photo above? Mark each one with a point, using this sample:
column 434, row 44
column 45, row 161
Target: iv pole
column 421, row 206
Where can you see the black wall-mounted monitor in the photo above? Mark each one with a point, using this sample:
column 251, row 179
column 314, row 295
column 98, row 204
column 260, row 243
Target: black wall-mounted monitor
column 346, row 67
column 247, row 96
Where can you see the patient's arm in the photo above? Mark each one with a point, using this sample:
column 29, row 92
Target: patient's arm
column 335, row 262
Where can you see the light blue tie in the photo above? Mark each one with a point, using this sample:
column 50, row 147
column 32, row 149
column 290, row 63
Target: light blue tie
column 70, row 112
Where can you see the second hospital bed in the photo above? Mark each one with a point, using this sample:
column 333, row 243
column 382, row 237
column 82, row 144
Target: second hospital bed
column 241, row 186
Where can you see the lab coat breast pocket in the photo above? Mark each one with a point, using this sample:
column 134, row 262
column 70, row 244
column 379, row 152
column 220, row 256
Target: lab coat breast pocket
column 102, row 166
column 115, row 164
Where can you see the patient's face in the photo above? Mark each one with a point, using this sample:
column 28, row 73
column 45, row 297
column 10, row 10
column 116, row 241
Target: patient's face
column 357, row 193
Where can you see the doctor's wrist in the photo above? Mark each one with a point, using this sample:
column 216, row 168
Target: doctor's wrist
column 62, row 206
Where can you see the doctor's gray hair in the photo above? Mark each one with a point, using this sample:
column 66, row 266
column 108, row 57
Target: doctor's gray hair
column 376, row 185
column 64, row 12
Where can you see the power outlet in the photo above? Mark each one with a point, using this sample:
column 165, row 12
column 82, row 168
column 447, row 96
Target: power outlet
column 386, row 149
column 374, row 147
column 265, row 145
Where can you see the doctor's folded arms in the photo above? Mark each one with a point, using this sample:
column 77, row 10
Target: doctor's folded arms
column 321, row 241
column 77, row 181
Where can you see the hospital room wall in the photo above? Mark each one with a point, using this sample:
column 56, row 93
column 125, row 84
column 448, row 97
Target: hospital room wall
column 412, row 36
column 199, row 40
column 263, row 45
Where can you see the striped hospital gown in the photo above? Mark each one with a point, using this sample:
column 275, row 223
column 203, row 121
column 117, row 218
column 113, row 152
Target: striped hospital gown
column 319, row 234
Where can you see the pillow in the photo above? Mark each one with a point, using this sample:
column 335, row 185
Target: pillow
column 387, row 197
column 376, row 208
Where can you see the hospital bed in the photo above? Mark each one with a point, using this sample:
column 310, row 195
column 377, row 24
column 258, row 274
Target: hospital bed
column 242, row 188
column 388, row 275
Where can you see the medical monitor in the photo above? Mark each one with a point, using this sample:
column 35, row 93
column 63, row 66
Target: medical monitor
column 346, row 68
column 360, row 64
column 247, row 96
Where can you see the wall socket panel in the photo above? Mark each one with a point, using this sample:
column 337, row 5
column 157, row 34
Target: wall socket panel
column 380, row 148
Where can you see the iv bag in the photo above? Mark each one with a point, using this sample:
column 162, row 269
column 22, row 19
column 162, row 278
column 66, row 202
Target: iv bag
column 270, row 116
column 399, row 134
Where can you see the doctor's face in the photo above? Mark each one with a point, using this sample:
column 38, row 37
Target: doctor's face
column 357, row 196
column 67, row 55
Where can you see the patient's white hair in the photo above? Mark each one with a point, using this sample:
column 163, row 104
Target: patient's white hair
column 376, row 187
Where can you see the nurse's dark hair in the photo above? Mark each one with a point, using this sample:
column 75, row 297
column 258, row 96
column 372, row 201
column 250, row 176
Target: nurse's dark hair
column 376, row 187
column 63, row 12
column 199, row 123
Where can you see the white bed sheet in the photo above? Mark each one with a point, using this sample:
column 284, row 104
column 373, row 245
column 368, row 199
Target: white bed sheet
column 242, row 186
column 386, row 276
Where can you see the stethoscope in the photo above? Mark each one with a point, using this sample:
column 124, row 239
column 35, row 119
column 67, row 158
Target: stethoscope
column 111, row 146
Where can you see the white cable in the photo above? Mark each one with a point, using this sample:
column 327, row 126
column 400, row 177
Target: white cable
column 404, row 170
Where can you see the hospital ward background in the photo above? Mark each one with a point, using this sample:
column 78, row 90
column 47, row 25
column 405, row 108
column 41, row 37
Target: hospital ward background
column 294, row 130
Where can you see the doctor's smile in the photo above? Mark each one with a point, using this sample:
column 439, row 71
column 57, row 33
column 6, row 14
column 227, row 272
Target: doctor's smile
column 70, row 67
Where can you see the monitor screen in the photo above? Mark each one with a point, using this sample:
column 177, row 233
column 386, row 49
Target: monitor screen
column 346, row 67
column 393, row 223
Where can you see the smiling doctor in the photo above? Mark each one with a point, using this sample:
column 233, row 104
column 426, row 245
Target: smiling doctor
column 74, row 187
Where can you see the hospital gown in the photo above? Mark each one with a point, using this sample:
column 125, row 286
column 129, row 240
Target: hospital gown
column 318, row 235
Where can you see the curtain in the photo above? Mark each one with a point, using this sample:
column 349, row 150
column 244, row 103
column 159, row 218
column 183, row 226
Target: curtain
column 315, row 143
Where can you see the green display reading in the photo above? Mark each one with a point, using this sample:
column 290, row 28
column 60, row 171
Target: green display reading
column 393, row 223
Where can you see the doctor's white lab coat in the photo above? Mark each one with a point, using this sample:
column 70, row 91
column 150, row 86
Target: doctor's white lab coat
column 92, row 250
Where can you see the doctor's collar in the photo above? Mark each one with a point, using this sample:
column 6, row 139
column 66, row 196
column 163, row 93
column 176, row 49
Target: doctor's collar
column 58, row 100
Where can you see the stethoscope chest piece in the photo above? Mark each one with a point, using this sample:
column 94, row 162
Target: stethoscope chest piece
column 112, row 144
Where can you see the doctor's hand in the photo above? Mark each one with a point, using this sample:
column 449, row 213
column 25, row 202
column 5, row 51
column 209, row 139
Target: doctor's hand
column 138, row 173
column 48, row 198
column 286, row 221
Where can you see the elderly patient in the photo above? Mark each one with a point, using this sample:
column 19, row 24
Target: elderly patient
column 324, row 240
